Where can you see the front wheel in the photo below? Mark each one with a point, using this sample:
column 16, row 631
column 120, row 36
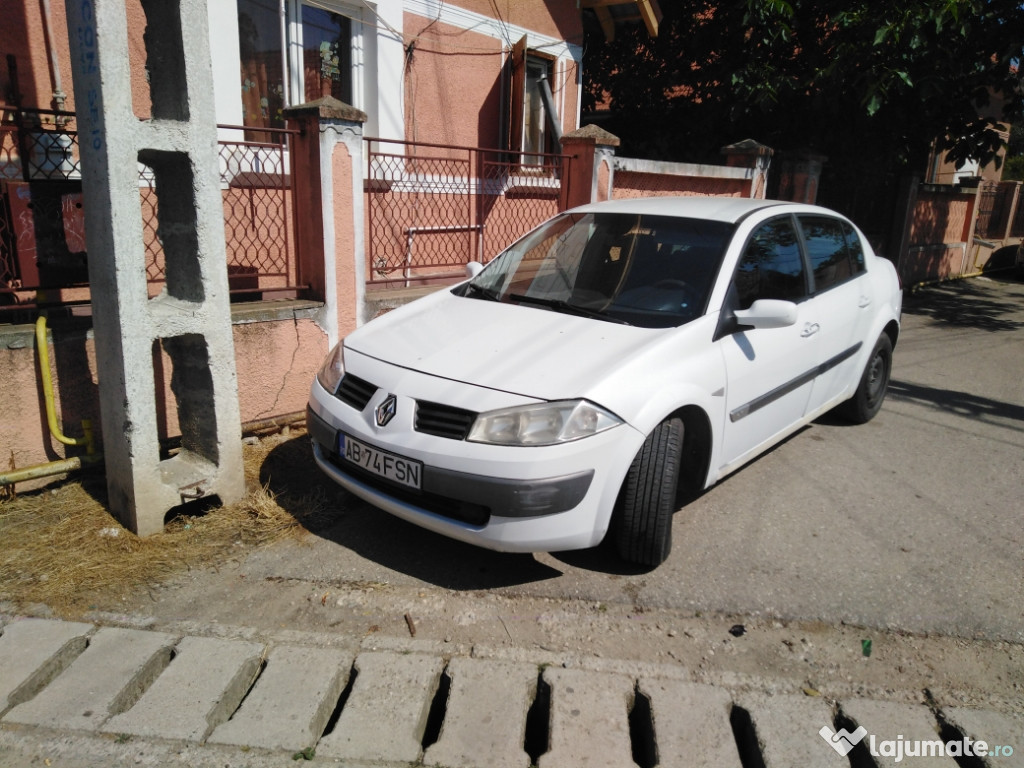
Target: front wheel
column 642, row 522
column 867, row 400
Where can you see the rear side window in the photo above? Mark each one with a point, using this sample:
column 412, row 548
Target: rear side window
column 833, row 250
column 856, row 249
column 771, row 266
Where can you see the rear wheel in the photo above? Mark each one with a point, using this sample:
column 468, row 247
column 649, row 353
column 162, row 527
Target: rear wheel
column 642, row 522
column 867, row 400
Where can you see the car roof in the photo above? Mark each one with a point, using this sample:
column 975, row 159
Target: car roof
column 726, row 209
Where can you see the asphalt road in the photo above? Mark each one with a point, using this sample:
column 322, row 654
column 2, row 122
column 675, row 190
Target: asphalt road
column 911, row 522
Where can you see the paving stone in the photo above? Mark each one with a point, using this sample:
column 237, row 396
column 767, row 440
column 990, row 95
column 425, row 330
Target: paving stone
column 691, row 724
column 386, row 713
column 889, row 721
column 33, row 652
column 105, row 680
column 485, row 720
column 589, row 719
column 292, row 701
column 201, row 688
column 787, row 729
column 999, row 731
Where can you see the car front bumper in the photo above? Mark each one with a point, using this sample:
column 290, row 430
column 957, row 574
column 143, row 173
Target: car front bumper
column 514, row 499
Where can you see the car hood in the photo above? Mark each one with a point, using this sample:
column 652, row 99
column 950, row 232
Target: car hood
column 524, row 350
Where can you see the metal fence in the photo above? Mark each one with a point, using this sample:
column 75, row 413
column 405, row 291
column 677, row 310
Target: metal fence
column 432, row 208
column 259, row 216
column 42, row 222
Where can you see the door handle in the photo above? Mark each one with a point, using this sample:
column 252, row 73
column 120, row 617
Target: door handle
column 810, row 329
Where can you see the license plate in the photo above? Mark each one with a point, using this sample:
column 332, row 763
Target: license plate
column 390, row 466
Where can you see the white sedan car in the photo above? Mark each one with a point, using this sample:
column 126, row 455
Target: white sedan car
column 606, row 368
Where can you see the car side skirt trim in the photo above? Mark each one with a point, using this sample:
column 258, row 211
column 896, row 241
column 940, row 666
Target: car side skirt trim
column 793, row 384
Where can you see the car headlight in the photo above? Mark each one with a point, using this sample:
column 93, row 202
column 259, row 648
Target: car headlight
column 333, row 369
column 542, row 424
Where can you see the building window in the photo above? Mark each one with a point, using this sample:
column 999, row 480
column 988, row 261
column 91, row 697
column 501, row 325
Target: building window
column 535, row 130
column 326, row 55
column 259, row 42
column 323, row 68
column 529, row 124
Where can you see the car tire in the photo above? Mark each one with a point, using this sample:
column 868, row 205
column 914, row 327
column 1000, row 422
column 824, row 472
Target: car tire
column 642, row 523
column 867, row 400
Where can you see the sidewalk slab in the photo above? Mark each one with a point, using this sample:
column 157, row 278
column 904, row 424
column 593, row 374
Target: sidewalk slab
column 199, row 690
column 691, row 724
column 589, row 719
column 892, row 721
column 106, row 679
column 485, row 722
column 33, row 652
column 787, row 729
column 291, row 702
column 998, row 730
column 386, row 713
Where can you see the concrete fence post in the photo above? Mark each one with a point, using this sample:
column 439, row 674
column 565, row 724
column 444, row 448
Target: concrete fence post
column 590, row 178
column 754, row 155
column 189, row 323
column 327, row 160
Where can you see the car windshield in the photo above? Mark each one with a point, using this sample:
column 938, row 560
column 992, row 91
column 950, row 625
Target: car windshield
column 649, row 271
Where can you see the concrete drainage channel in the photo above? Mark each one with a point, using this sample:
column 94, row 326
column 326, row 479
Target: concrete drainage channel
column 399, row 704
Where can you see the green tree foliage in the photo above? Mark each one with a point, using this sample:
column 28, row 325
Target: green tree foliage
column 873, row 80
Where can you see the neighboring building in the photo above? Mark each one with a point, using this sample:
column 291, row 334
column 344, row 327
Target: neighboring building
column 421, row 70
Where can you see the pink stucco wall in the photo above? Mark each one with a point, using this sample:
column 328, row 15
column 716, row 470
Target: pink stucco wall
column 22, row 33
column 554, row 19
column 452, row 85
column 344, row 238
column 276, row 362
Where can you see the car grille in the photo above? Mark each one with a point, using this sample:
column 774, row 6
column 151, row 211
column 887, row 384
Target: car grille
column 443, row 420
column 355, row 391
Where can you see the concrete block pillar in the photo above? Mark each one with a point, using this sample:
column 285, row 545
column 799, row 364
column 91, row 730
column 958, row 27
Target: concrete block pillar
column 327, row 163
column 801, row 174
column 591, row 176
column 189, row 323
column 755, row 156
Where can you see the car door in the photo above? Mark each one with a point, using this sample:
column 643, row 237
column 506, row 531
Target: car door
column 841, row 304
column 770, row 371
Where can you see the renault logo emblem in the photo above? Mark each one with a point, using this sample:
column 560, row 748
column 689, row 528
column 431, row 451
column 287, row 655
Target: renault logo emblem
column 386, row 410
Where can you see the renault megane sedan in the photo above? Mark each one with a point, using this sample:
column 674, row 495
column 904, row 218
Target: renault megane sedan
column 607, row 367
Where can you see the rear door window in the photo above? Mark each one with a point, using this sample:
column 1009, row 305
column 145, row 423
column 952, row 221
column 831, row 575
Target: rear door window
column 829, row 251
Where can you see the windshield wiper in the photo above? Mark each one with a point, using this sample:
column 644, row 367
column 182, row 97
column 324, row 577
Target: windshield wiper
column 564, row 306
column 472, row 289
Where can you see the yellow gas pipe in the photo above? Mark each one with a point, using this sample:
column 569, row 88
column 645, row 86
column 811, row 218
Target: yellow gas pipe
column 62, row 465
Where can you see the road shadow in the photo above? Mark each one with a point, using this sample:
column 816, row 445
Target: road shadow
column 290, row 472
column 951, row 401
column 970, row 304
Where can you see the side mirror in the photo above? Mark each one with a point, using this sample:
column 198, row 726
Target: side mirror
column 767, row 313
column 473, row 268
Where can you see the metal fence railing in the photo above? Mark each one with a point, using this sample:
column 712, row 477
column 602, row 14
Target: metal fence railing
column 259, row 215
column 42, row 222
column 432, row 208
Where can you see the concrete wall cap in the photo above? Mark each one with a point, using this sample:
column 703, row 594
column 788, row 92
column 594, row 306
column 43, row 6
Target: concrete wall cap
column 326, row 107
column 591, row 134
column 748, row 147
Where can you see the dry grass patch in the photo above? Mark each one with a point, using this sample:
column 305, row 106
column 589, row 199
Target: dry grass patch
column 63, row 548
